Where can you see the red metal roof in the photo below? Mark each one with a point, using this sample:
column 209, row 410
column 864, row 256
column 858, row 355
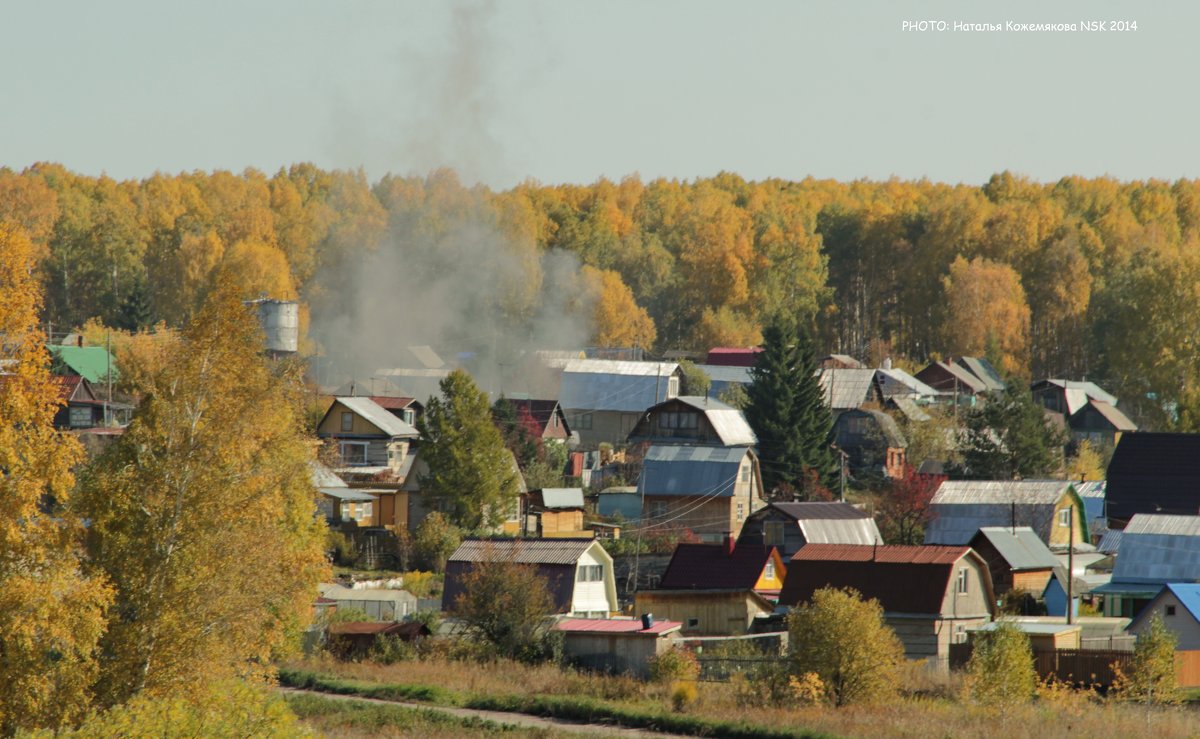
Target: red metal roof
column 392, row 404
column 616, row 626
column 904, row 579
column 733, row 356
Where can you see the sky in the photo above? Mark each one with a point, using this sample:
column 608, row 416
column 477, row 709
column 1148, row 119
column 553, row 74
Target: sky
column 571, row 91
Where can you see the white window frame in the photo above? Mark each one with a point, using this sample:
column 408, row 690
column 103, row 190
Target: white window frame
column 744, row 472
column 1064, row 517
column 672, row 387
column 963, row 585
column 79, row 417
column 590, row 573
column 347, row 421
column 769, row 570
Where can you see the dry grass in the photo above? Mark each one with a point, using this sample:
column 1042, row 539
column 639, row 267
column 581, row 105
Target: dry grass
column 930, row 705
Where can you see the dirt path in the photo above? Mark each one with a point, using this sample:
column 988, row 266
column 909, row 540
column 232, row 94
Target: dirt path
column 500, row 717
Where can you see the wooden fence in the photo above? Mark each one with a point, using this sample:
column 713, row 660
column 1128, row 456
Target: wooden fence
column 1090, row 666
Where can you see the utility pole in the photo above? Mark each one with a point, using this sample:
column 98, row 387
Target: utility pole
column 1071, row 567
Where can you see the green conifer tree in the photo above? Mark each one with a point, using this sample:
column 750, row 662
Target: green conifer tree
column 787, row 411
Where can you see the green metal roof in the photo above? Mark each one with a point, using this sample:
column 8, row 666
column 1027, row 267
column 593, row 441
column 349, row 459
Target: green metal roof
column 90, row 362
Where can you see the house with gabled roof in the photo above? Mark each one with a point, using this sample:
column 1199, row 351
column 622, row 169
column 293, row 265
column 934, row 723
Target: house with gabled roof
column 951, row 379
column 370, row 439
column 604, row 399
column 872, row 442
column 894, row 382
column 1088, row 411
column 1016, row 557
column 983, row 369
column 83, row 408
column 722, row 378
column 715, row 589
column 708, row 489
column 578, row 572
column 960, row 508
column 789, row 526
column 1153, row 472
column 691, row 419
column 544, row 419
column 1155, row 550
column 848, row 388
column 93, row 363
column 930, row 595
column 1178, row 604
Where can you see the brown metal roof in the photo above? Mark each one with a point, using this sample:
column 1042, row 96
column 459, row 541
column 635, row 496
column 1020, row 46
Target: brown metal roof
column 904, row 579
column 408, row 629
column 522, row 551
column 390, row 403
column 695, row 566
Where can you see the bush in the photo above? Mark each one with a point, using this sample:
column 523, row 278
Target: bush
column 435, row 540
column 843, row 640
column 683, row 694
column 341, row 548
column 390, row 649
column 504, row 605
column 1001, row 668
column 1152, row 675
column 769, row 685
column 423, row 584
column 431, row 620
column 674, row 664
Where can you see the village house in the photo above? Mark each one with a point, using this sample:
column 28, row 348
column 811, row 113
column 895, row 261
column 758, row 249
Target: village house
column 617, row 645
column 693, row 420
column 92, row 363
column 789, row 526
column 1016, row 558
column 578, row 572
column 553, row 512
column 544, row 419
column 1178, row 604
column 716, row 589
column 369, row 438
column 603, row 399
column 894, row 383
column 708, row 489
column 871, row 441
column 1089, row 412
column 80, row 408
column 953, row 380
column 733, row 356
column 931, row 595
column 412, row 506
column 1153, row 473
column 1156, row 550
column 379, row 604
column 846, row 389
column 1052, row 508
column 722, row 379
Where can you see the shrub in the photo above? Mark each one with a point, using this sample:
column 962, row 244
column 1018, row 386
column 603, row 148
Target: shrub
column 435, row 540
column 843, row 640
column 1152, row 674
column 423, row 584
column 807, row 689
column 674, row 664
column 1001, row 668
column 683, row 694
column 769, row 685
column 390, row 649
column 504, row 604
column 341, row 548
column 432, row 620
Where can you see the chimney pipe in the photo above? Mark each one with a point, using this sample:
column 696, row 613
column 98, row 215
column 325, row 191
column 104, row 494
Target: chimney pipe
column 729, row 543
column 647, row 621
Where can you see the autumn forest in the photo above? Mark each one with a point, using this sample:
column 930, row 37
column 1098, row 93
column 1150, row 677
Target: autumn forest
column 1077, row 278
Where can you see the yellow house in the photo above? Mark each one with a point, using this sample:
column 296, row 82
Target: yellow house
column 370, row 439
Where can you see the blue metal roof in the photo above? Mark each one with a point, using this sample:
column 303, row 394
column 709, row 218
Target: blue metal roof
column 1188, row 595
column 691, row 470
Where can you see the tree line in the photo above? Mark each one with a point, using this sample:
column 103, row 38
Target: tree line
column 1080, row 277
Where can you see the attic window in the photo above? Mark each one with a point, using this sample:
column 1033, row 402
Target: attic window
column 693, row 623
column 353, row 452
column 773, row 533
column 407, row 415
column 1170, row 610
column 678, row 420
column 673, row 387
column 1064, row 517
column 769, row 571
column 591, row 573
column 347, row 421
column 962, row 581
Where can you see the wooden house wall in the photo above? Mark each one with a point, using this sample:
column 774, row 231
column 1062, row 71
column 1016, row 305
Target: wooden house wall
column 617, row 653
column 1031, row 581
column 558, row 523
column 1182, row 623
column 715, row 614
column 1061, row 535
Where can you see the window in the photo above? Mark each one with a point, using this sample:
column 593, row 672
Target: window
column 407, row 416
column 657, row 508
column 590, row 573
column 745, row 472
column 1064, row 517
column 962, row 580
column 856, row 426
column 347, row 421
column 673, row 387
column 1170, row 610
column 583, row 421
column 353, row 452
column 555, row 417
column 773, row 533
column 960, row 634
column 678, row 420
column 693, row 623
column 81, row 417
column 741, row 510
column 769, row 570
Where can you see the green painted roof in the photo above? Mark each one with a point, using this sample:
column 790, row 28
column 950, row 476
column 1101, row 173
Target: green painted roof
column 90, row 362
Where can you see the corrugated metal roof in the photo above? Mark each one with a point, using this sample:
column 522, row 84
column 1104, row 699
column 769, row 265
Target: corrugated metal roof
column 847, row 388
column 1114, row 416
column 562, row 497
column 605, row 385
column 323, row 477
column 1088, row 389
column 1022, row 549
column 911, row 410
column 984, row 370
column 719, row 373
column 615, row 626
column 960, row 508
column 701, row 566
column 897, row 553
column 1110, row 543
column 960, row 380
column 1159, row 549
column 522, row 551
column 816, row 511
column 840, row 531
column 378, row 416
column 729, row 423
column 691, row 470
column 93, row 363
column 896, row 382
column 344, row 493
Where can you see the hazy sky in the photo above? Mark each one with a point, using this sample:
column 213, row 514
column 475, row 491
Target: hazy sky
column 568, row 91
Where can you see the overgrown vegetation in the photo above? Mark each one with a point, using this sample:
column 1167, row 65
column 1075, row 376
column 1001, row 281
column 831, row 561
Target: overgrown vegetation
column 1001, row 671
column 1151, row 678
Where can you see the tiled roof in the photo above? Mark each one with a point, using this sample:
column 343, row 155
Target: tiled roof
column 615, row 626
column 701, row 566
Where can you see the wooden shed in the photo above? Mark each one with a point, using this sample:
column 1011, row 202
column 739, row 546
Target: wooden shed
column 617, row 645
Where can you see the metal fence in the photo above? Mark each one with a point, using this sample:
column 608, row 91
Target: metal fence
column 721, row 669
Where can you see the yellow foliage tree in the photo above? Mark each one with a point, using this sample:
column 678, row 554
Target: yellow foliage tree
column 202, row 514
column 988, row 315
column 617, row 318
column 51, row 614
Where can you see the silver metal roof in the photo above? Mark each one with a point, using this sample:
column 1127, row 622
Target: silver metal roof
column 378, row 416
column 604, row 385
column 1159, row 549
column 323, row 477
column 847, row 388
column 960, row 508
column 1022, row 548
column 896, row 382
column 1080, row 391
column 840, row 531
column 347, row 494
column 524, row 551
column 562, row 497
column 723, row 374
column 1110, row 543
column 911, row 410
column 729, row 423
column 691, row 470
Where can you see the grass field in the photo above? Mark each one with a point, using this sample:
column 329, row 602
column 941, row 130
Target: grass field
column 925, row 708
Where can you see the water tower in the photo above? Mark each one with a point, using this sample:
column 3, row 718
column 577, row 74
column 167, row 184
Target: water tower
column 280, row 321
